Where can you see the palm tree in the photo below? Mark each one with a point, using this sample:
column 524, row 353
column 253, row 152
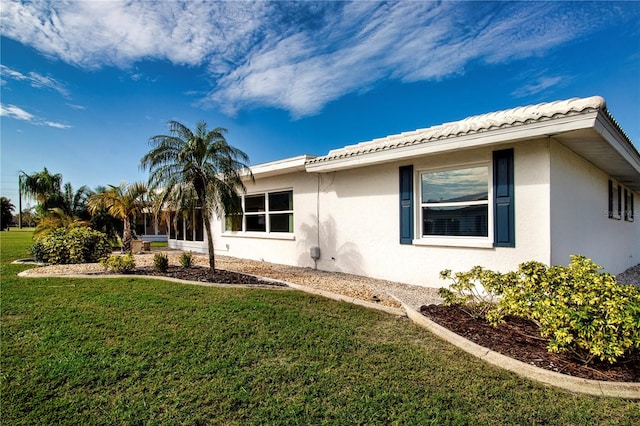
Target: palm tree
column 101, row 220
column 74, row 203
column 7, row 213
column 122, row 202
column 56, row 219
column 44, row 187
column 201, row 160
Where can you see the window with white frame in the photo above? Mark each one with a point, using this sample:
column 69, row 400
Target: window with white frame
column 264, row 212
column 629, row 210
column 455, row 202
column 621, row 202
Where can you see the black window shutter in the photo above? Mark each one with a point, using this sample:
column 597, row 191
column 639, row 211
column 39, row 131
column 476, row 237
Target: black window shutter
column 406, row 205
column 503, row 194
column 610, row 200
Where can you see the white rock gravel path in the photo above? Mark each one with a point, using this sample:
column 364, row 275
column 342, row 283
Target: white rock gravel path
column 368, row 289
column 630, row 276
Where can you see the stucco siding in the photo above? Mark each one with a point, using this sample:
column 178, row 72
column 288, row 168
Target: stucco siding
column 580, row 222
column 288, row 249
column 353, row 217
column 359, row 215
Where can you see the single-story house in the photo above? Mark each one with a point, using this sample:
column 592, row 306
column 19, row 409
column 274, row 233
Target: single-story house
column 539, row 182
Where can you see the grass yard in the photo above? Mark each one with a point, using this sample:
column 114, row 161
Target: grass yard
column 139, row 351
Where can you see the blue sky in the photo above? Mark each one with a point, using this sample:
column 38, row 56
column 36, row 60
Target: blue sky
column 84, row 85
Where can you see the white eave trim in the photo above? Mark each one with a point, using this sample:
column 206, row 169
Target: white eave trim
column 280, row 167
column 621, row 146
column 513, row 133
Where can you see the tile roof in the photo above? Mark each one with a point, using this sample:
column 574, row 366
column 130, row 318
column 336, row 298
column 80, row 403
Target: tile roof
column 476, row 124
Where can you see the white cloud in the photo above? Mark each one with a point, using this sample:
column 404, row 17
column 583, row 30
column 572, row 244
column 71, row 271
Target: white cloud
column 35, row 80
column 540, row 85
column 300, row 56
column 12, row 111
column 56, row 125
column 78, row 107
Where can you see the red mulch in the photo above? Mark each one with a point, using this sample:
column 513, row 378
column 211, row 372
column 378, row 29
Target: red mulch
column 519, row 339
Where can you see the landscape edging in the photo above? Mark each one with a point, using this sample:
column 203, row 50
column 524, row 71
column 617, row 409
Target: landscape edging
column 626, row 390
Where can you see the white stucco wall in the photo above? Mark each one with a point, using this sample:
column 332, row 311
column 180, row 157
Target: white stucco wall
column 359, row 215
column 277, row 247
column 580, row 222
column 353, row 216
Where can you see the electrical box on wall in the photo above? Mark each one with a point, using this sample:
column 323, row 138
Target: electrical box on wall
column 315, row 253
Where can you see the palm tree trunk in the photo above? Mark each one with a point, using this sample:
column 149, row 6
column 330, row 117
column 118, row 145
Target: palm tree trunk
column 126, row 235
column 207, row 227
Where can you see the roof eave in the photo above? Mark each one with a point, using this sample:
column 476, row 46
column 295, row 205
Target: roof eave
column 510, row 134
column 279, row 167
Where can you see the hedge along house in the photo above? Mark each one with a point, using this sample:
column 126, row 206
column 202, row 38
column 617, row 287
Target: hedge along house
column 539, row 183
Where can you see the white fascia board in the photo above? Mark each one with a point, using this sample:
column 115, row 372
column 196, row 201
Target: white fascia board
column 619, row 144
column 279, row 167
column 475, row 140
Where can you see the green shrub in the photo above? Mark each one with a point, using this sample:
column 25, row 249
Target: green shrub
column 186, row 259
column 472, row 291
column 577, row 308
column 119, row 264
column 75, row 245
column 161, row 262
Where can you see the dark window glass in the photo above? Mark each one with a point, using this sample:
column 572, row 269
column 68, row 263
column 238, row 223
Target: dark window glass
column 199, row 225
column 256, row 222
column 282, row 222
column 233, row 223
column 180, row 228
column 188, row 222
column 467, row 221
column 280, row 201
column 254, row 203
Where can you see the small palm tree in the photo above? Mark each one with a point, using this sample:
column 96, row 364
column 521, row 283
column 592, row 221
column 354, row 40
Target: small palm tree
column 44, row 187
column 201, row 160
column 56, row 219
column 101, row 220
column 122, row 202
column 74, row 203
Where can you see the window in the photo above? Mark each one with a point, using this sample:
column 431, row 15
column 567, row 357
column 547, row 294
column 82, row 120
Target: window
column 455, row 202
column 628, row 206
column 281, row 211
column 255, row 213
column 621, row 202
column 187, row 226
column 269, row 212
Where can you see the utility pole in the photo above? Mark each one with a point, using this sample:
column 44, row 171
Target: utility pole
column 20, row 201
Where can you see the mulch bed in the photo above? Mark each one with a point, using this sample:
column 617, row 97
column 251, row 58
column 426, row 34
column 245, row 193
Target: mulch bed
column 519, row 339
column 201, row 274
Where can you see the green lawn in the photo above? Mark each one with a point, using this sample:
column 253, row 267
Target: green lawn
column 139, row 351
